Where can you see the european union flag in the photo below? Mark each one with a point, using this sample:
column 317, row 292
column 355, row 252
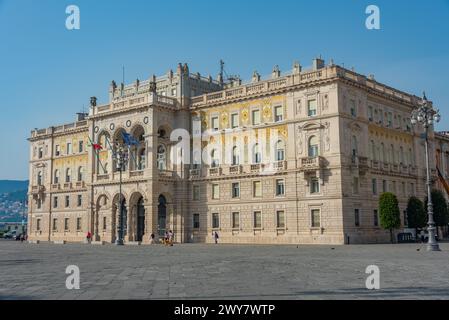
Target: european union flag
column 129, row 140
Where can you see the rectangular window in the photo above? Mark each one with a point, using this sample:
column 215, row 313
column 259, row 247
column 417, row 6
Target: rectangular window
column 196, row 193
column 316, row 218
column 280, row 219
column 256, row 117
column 412, row 189
column 234, row 120
column 55, row 224
column 57, row 150
column 236, row 190
column 355, row 185
column 235, row 220
column 278, row 113
column 173, row 92
column 80, row 200
column 55, row 202
column 393, row 187
column 196, row 221
column 78, row 224
column 370, row 113
column 66, row 224
column 311, row 108
column 39, row 203
column 357, row 217
column 257, row 220
column 384, row 185
column 69, row 148
column 215, row 221
column 214, row 123
column 40, row 153
column 257, row 189
column 404, row 193
column 374, row 185
column 38, row 224
column 376, row 218
column 280, row 187
column 67, row 201
column 314, row 185
column 353, row 108
column 389, row 119
column 215, row 191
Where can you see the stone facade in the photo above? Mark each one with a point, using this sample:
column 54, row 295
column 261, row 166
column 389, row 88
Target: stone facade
column 298, row 158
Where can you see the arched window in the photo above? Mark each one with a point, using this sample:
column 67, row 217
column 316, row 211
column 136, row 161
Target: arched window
column 215, row 161
column 373, row 150
column 354, row 147
column 257, row 156
column 280, row 151
column 80, row 174
column 392, row 156
column 68, row 175
column 235, row 156
column 141, row 159
column 313, row 147
column 56, row 177
column 382, row 152
column 39, row 178
column 161, row 157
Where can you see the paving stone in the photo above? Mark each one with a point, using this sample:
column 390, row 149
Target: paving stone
column 199, row 271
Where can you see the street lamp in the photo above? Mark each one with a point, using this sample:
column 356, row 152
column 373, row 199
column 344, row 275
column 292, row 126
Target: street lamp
column 121, row 158
column 426, row 115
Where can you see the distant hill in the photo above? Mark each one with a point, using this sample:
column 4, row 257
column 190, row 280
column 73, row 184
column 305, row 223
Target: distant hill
column 8, row 186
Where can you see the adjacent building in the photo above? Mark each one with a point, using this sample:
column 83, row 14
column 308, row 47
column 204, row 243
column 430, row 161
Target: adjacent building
column 299, row 158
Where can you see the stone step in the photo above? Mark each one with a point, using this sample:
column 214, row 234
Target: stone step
column 98, row 243
column 133, row 243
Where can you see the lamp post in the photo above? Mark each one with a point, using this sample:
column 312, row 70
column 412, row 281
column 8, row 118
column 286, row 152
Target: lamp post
column 426, row 115
column 121, row 157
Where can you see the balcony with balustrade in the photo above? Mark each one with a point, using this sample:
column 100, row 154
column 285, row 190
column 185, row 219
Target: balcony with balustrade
column 312, row 163
column 36, row 190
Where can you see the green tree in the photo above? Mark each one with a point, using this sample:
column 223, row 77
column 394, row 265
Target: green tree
column 416, row 214
column 440, row 209
column 390, row 217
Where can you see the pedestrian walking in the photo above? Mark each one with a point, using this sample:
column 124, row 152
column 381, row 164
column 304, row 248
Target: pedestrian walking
column 166, row 238
column 216, row 237
column 152, row 238
column 170, row 238
column 89, row 237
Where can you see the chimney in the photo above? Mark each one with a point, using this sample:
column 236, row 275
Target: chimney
column 276, row 73
column 318, row 63
column 256, row 77
column 296, row 67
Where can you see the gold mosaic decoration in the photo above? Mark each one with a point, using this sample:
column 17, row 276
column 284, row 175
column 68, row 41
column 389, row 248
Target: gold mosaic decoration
column 224, row 119
column 245, row 115
column 267, row 112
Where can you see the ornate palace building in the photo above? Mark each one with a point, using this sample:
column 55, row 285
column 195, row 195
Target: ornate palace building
column 299, row 158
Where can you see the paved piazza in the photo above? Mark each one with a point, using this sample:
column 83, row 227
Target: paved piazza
column 197, row 271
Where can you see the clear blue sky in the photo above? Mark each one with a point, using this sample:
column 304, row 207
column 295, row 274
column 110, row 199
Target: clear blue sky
column 48, row 73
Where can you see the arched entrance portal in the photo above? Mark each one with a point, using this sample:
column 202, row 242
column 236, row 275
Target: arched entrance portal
column 118, row 217
column 140, row 220
column 162, row 216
